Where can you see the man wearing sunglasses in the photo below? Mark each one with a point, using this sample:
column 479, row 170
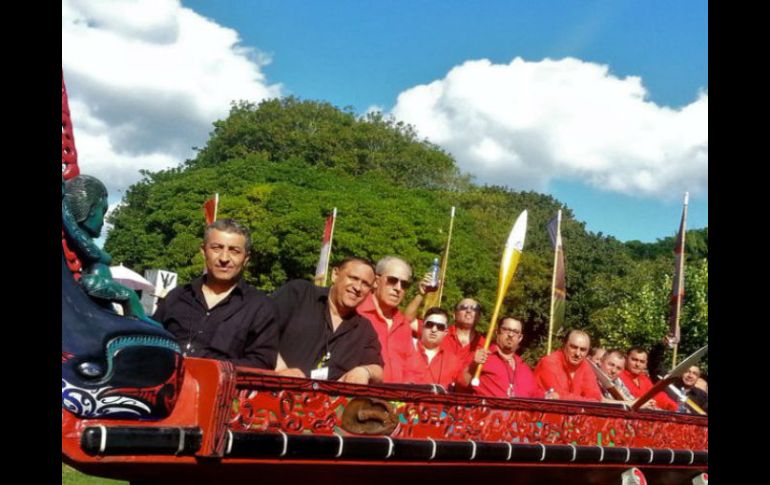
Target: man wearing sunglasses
column 431, row 364
column 393, row 277
column 504, row 373
column 463, row 339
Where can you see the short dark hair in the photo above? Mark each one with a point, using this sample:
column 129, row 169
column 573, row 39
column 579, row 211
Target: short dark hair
column 436, row 311
column 341, row 265
column 619, row 353
column 638, row 350
column 507, row 317
column 231, row 226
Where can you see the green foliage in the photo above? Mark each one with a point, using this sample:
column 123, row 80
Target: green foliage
column 324, row 136
column 70, row 476
column 281, row 166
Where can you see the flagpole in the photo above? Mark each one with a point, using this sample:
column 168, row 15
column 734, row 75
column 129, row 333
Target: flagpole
column 442, row 278
column 216, row 205
column 434, row 298
column 331, row 238
column 680, row 275
column 553, row 279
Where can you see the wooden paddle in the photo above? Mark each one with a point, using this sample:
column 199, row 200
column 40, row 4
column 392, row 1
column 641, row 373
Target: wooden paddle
column 511, row 256
column 606, row 382
column 678, row 371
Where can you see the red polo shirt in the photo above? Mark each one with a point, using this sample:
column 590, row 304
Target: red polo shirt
column 444, row 369
column 463, row 353
column 396, row 341
column 553, row 372
column 498, row 379
column 663, row 401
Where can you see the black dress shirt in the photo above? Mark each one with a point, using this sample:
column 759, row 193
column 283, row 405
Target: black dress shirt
column 241, row 328
column 307, row 335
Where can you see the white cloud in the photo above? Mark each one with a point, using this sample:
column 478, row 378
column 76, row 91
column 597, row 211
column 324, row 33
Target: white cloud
column 526, row 123
column 145, row 80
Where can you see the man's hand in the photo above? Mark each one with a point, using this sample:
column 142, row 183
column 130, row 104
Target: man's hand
column 356, row 375
column 293, row 372
column 424, row 285
column 481, row 356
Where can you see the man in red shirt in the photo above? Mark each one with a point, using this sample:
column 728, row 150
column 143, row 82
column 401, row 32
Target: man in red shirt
column 463, row 339
column 638, row 383
column 567, row 372
column 504, row 374
column 432, row 364
column 393, row 276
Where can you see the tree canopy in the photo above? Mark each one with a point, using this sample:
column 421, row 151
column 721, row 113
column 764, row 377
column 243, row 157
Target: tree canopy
column 281, row 166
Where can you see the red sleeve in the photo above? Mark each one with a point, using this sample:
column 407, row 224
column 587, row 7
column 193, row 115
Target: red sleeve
column 549, row 374
column 665, row 402
column 414, row 370
column 528, row 385
column 589, row 386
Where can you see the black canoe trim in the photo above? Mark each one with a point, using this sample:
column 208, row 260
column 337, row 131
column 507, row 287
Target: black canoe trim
column 169, row 441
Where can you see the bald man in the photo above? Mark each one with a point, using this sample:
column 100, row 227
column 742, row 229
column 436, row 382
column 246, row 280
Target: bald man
column 567, row 372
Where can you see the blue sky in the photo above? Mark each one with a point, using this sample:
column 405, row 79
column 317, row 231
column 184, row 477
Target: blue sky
column 622, row 169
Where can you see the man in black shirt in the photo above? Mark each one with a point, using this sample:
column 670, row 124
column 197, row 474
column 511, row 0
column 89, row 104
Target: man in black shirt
column 321, row 335
column 685, row 388
column 218, row 315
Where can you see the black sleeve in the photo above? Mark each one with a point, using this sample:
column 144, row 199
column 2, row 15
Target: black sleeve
column 261, row 349
column 287, row 299
column 160, row 312
column 372, row 353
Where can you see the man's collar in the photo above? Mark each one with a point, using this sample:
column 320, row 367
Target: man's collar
column 197, row 286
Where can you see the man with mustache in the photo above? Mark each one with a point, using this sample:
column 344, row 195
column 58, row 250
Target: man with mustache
column 321, row 335
column 218, row 315
column 504, row 374
column 566, row 371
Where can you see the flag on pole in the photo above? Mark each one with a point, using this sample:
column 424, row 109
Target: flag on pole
column 322, row 270
column 210, row 209
column 434, row 298
column 559, row 281
column 677, row 292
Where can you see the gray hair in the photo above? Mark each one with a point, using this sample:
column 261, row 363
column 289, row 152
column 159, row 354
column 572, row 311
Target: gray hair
column 231, row 226
column 384, row 262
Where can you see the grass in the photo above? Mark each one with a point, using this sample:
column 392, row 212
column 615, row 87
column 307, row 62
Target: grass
column 70, row 476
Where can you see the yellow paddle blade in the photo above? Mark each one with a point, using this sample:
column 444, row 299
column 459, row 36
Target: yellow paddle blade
column 512, row 252
column 510, row 261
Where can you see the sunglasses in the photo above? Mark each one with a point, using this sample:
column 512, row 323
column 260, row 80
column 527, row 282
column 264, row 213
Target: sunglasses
column 393, row 281
column 429, row 324
column 473, row 308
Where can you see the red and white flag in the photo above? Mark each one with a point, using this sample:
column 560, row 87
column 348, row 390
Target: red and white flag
column 210, row 209
column 322, row 269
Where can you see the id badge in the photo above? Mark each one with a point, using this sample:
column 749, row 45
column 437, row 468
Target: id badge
column 320, row 373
